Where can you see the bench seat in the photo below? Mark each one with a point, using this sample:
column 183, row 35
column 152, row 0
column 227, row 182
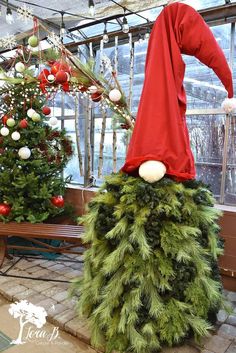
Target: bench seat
column 71, row 234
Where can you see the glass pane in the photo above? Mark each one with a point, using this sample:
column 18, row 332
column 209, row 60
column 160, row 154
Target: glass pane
column 72, row 167
column 207, row 139
column 230, row 190
column 69, row 105
column 203, row 87
column 203, row 4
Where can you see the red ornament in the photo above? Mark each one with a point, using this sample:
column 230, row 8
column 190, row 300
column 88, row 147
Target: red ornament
column 60, row 66
column 5, row 209
column 83, row 88
column 43, row 76
column 58, row 201
column 4, row 119
column 61, row 77
column 96, row 97
column 23, row 124
column 46, row 110
column 1, row 150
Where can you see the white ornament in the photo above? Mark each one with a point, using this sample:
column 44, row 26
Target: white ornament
column 30, row 112
column 152, row 171
column 53, row 121
column 51, row 78
column 24, row 153
column 8, row 42
column 15, row 136
column 228, row 105
column 24, row 13
column 4, row 131
column 20, row 67
column 93, row 89
column 115, row 95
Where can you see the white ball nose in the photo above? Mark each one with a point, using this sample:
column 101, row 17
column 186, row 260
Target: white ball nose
column 152, row 171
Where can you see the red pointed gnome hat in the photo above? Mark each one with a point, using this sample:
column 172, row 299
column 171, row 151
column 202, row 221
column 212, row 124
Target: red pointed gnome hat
column 160, row 131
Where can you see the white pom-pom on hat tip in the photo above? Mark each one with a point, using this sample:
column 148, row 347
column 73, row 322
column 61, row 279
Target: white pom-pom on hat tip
column 152, row 171
column 229, row 105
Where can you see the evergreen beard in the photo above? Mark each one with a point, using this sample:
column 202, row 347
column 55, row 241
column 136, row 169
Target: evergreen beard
column 151, row 276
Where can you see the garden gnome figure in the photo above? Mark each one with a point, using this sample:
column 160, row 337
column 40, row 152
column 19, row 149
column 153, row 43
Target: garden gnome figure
column 160, row 141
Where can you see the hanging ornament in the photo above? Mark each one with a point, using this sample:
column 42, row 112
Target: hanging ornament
column 53, row 121
column 61, row 76
column 23, row 124
column 30, row 112
column 93, row 89
column 46, row 110
column 36, row 117
column 58, row 201
column 20, row 67
column 51, row 78
column 24, row 13
column 4, row 119
column 24, row 153
column 96, row 97
column 11, row 122
column 15, row 136
column 43, row 76
column 5, row 209
column 115, row 95
column 33, row 41
column 83, row 89
column 60, row 66
column 4, row 131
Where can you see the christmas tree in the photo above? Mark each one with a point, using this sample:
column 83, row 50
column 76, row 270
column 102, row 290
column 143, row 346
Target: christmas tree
column 33, row 154
column 151, row 276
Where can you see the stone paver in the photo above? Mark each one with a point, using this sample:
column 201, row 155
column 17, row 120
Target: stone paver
column 63, row 318
column 227, row 331
column 59, row 297
column 232, row 348
column 232, row 296
column 182, row 349
column 50, row 292
column 43, row 285
column 35, row 299
column 217, row 344
column 56, row 309
column 53, row 296
column 24, row 295
column 222, row 316
column 231, row 320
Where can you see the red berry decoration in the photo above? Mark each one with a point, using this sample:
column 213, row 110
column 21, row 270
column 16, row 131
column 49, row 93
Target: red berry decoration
column 4, row 119
column 61, row 77
column 46, row 110
column 23, row 124
column 96, row 97
column 5, row 209
column 58, row 201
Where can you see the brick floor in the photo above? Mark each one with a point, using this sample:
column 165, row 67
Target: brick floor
column 53, row 296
